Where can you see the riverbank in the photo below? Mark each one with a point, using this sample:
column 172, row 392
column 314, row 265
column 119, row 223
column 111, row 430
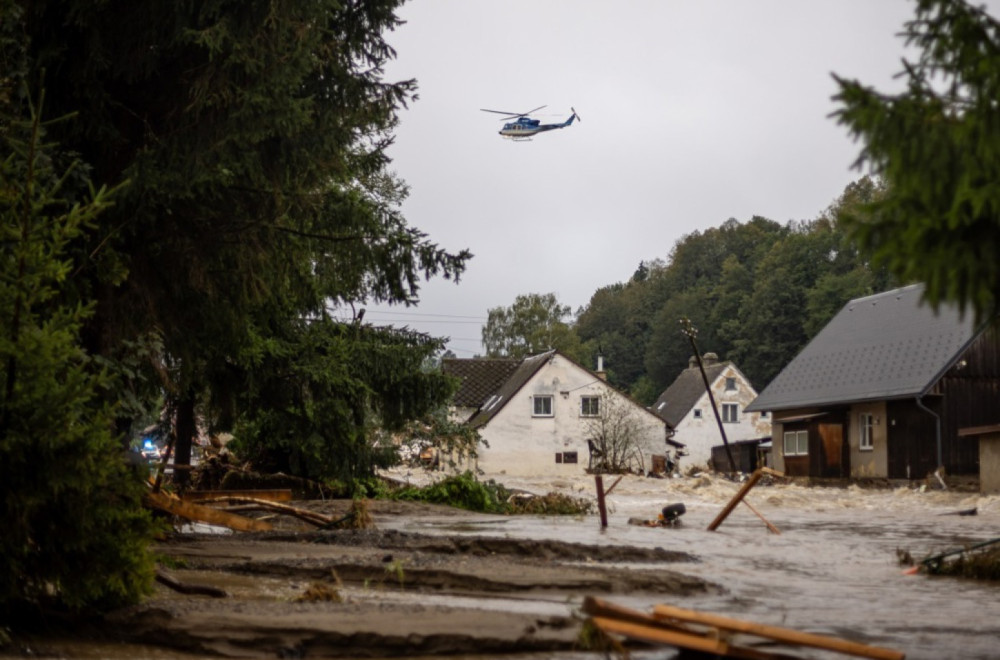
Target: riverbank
column 379, row 592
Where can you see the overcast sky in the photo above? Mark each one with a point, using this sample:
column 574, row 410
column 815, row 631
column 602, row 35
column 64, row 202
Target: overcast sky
column 692, row 113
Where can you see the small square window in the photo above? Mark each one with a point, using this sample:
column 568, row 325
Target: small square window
column 590, row 406
column 796, row 443
column 542, row 406
column 730, row 413
column 731, row 384
column 569, row 457
column 697, row 413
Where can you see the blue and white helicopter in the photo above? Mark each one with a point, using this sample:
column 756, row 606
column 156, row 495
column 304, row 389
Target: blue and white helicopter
column 524, row 127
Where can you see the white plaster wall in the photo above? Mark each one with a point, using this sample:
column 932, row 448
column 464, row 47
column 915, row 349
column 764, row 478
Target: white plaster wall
column 700, row 435
column 523, row 445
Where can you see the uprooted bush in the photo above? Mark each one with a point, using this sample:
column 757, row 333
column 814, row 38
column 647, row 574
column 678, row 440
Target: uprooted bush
column 467, row 492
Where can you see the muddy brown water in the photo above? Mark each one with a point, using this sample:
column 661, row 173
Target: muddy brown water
column 833, row 569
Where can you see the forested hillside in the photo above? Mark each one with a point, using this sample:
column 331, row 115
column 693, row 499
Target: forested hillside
column 757, row 291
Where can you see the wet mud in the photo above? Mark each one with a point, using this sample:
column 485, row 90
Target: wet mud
column 379, row 592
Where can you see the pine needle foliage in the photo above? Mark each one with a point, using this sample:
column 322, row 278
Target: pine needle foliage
column 937, row 146
column 74, row 534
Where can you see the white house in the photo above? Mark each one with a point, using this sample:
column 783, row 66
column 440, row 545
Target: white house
column 538, row 420
column 686, row 407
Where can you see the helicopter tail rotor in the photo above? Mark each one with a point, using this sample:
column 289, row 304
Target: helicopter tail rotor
column 575, row 113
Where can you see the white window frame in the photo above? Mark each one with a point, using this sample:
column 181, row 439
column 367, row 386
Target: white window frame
column 592, row 410
column 731, row 413
column 799, row 442
column 866, row 431
column 538, row 407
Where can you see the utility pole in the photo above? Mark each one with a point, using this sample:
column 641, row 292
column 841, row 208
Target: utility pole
column 691, row 333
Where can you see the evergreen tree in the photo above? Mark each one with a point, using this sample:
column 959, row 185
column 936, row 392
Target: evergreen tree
column 253, row 136
column 73, row 529
column 937, row 145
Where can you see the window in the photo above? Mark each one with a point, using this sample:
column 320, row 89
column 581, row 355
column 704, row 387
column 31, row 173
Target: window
column 590, row 406
column 796, row 443
column 566, row 457
column 763, row 415
column 697, row 413
column 865, row 432
column 731, row 384
column 730, row 413
column 543, row 406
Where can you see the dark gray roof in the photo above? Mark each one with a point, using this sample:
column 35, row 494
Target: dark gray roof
column 678, row 399
column 525, row 370
column 886, row 346
column 481, row 377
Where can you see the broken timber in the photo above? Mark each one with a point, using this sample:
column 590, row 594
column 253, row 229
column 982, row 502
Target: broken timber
column 206, row 514
column 710, row 633
column 750, row 483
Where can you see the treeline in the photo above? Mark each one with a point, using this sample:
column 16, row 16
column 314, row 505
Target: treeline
column 756, row 291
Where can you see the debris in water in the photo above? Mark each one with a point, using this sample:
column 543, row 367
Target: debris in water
column 713, row 634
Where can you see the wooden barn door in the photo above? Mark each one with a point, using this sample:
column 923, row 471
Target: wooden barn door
column 834, row 460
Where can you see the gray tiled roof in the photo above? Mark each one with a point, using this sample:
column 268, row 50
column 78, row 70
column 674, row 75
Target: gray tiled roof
column 886, row 346
column 481, row 377
column 525, row 370
column 678, row 399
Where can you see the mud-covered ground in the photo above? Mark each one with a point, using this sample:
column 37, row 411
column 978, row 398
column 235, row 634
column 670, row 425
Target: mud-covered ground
column 297, row 592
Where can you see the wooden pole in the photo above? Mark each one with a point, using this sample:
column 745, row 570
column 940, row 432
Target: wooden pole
column 601, row 507
column 750, row 483
column 612, row 486
column 771, row 528
column 786, row 635
column 685, row 640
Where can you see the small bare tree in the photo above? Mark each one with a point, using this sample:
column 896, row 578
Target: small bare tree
column 613, row 437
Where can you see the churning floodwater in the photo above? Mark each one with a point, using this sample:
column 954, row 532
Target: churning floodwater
column 832, row 570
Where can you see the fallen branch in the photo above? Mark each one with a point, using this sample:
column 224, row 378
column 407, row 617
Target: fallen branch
column 168, row 580
column 306, row 515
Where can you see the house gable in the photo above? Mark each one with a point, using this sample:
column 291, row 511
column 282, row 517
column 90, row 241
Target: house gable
column 686, row 406
column 524, row 438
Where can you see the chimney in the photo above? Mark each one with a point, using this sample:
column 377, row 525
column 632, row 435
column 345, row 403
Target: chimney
column 600, row 368
column 710, row 358
column 692, row 362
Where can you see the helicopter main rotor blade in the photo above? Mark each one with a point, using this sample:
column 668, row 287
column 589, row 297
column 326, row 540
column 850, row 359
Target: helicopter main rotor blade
column 513, row 115
column 502, row 112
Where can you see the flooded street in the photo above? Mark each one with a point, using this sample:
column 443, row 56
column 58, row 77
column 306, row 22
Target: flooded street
column 833, row 569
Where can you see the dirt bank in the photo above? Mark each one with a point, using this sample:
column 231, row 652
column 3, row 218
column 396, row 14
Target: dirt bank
column 373, row 593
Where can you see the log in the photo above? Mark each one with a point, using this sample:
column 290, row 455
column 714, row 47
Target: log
column 785, row 635
column 205, row 514
column 680, row 639
column 272, row 494
column 168, row 580
column 308, row 516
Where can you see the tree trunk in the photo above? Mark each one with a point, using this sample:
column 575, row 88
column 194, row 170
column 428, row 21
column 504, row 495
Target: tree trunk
column 185, row 429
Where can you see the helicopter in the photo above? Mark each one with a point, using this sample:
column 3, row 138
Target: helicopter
column 524, row 127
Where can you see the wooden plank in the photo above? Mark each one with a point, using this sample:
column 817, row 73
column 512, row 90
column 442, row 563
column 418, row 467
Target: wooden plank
column 738, row 497
column 680, row 639
column 273, row 494
column 786, row 635
column 205, row 514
